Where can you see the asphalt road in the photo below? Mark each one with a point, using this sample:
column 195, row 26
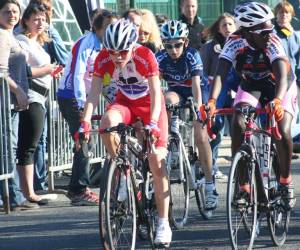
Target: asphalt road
column 60, row 226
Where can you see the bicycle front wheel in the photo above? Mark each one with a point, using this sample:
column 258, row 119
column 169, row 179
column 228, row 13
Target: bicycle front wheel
column 278, row 216
column 117, row 211
column 179, row 183
column 241, row 207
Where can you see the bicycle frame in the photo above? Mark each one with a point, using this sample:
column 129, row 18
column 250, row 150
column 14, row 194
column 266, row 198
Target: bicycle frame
column 129, row 144
column 186, row 126
column 261, row 153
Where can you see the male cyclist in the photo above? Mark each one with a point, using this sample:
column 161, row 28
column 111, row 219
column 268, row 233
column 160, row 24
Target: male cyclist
column 135, row 71
column 259, row 58
column 181, row 66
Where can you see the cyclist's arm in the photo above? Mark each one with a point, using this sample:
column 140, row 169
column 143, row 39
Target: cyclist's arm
column 279, row 67
column 196, row 89
column 155, row 95
column 222, row 71
column 93, row 98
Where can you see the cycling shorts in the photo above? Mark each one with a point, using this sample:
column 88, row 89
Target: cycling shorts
column 132, row 110
column 289, row 102
column 186, row 92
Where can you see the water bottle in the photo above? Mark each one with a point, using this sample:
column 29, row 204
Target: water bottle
column 175, row 124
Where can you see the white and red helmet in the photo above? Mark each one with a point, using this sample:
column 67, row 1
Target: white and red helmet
column 120, row 35
column 252, row 13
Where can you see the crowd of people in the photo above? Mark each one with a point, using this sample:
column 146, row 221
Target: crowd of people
column 254, row 53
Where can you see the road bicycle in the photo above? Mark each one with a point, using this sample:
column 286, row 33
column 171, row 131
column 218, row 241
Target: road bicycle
column 127, row 203
column 257, row 164
column 183, row 167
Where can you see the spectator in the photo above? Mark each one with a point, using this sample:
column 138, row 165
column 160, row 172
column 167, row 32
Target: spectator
column 161, row 19
column 12, row 58
column 189, row 16
column 218, row 33
column 290, row 39
column 31, row 124
column 134, row 15
column 72, row 92
column 149, row 35
column 58, row 53
column 55, row 47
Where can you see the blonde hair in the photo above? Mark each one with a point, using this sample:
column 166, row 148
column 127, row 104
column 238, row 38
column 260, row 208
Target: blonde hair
column 149, row 24
column 284, row 6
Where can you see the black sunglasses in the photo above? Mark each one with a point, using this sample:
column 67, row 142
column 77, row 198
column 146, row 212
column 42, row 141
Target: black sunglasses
column 173, row 45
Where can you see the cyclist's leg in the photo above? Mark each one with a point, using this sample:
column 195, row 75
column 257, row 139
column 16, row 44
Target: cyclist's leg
column 204, row 149
column 238, row 127
column 205, row 157
column 115, row 114
column 172, row 97
column 157, row 166
column 285, row 145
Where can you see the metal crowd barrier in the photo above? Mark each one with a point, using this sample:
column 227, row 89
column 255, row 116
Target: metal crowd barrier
column 60, row 142
column 6, row 150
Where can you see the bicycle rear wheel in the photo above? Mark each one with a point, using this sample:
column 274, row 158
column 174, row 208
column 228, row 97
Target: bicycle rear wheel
column 179, row 183
column 278, row 217
column 117, row 215
column 241, row 210
column 200, row 199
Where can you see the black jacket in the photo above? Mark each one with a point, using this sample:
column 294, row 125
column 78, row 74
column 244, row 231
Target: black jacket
column 195, row 32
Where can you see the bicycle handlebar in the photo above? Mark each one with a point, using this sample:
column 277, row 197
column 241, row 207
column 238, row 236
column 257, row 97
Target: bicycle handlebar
column 272, row 124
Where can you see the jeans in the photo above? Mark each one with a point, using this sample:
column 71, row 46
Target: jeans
column 40, row 170
column 224, row 100
column 80, row 178
column 15, row 194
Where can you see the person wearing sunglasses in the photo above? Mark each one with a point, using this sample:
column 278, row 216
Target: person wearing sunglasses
column 266, row 80
column 149, row 35
column 181, row 67
column 134, row 69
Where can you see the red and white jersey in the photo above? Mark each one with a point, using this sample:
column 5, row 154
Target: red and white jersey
column 132, row 80
column 253, row 64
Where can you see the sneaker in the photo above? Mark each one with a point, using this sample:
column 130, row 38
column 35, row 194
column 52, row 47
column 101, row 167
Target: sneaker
column 122, row 194
column 25, row 205
column 287, row 195
column 163, row 236
column 219, row 176
column 87, row 198
column 211, row 200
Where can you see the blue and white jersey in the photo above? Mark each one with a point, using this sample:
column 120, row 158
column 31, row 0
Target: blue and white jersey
column 77, row 76
column 179, row 73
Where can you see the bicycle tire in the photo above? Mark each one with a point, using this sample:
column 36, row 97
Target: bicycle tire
column 179, row 185
column 278, row 217
column 117, row 219
column 149, row 202
column 241, row 237
column 200, row 200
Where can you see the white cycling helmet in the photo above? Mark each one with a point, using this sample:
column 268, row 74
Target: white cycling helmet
column 120, row 35
column 173, row 29
column 252, row 13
